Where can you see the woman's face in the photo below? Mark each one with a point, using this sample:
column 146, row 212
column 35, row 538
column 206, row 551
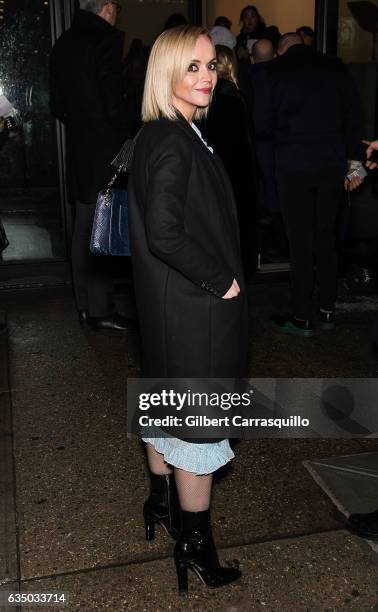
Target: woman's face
column 195, row 90
column 250, row 19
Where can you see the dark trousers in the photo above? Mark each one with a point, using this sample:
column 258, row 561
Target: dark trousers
column 268, row 196
column 310, row 200
column 92, row 279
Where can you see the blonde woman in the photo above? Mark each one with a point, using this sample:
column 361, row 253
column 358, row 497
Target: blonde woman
column 229, row 131
column 188, row 282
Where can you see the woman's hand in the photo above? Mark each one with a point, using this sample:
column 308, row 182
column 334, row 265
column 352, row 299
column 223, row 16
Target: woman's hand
column 373, row 146
column 233, row 291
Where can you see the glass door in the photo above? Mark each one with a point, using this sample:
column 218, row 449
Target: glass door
column 31, row 196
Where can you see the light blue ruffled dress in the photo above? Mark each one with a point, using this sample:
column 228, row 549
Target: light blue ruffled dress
column 197, row 458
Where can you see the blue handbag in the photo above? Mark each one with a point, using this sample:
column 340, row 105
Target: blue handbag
column 110, row 231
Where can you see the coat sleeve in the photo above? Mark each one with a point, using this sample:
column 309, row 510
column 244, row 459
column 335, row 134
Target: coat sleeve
column 168, row 182
column 263, row 106
column 353, row 115
column 110, row 82
column 57, row 105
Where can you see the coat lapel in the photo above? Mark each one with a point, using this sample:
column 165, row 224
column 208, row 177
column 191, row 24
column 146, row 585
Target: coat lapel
column 216, row 161
column 183, row 123
column 221, row 177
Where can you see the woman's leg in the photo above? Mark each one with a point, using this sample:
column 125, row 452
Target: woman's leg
column 156, row 461
column 194, row 491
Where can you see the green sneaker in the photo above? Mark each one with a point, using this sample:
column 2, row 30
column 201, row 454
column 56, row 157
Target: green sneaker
column 292, row 325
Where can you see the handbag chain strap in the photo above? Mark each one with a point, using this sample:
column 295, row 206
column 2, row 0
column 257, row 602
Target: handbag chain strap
column 122, row 163
column 107, row 193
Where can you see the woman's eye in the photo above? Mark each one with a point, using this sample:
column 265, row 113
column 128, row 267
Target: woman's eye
column 213, row 66
column 193, row 68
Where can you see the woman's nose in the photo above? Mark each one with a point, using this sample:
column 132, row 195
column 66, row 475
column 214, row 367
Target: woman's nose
column 207, row 75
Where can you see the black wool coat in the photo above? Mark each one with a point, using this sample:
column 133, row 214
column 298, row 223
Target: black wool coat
column 229, row 129
column 308, row 104
column 86, row 93
column 185, row 255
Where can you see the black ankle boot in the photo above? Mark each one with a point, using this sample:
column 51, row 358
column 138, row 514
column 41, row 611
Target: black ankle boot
column 162, row 506
column 196, row 550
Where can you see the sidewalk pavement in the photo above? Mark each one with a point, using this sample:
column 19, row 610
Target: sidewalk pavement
column 72, row 484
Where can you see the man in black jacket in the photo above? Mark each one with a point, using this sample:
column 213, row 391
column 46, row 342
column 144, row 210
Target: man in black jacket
column 272, row 234
column 309, row 105
column 87, row 96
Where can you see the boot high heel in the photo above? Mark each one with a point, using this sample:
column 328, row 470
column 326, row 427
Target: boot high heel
column 195, row 550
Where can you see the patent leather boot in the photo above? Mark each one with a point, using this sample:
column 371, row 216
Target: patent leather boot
column 196, row 550
column 162, row 507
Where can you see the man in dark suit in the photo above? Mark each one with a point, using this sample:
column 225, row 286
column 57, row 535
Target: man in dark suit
column 310, row 106
column 272, row 234
column 86, row 94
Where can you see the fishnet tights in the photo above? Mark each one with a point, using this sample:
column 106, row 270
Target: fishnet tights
column 194, row 491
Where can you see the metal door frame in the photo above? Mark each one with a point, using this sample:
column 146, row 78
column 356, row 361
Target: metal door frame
column 61, row 19
column 326, row 24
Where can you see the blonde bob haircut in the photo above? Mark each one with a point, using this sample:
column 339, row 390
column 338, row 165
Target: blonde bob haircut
column 168, row 64
column 226, row 64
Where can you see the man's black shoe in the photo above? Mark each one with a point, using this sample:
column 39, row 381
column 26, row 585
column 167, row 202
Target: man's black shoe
column 115, row 322
column 292, row 325
column 364, row 525
column 326, row 320
column 83, row 317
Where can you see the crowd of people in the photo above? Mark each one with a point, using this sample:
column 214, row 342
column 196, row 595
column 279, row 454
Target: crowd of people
column 231, row 125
